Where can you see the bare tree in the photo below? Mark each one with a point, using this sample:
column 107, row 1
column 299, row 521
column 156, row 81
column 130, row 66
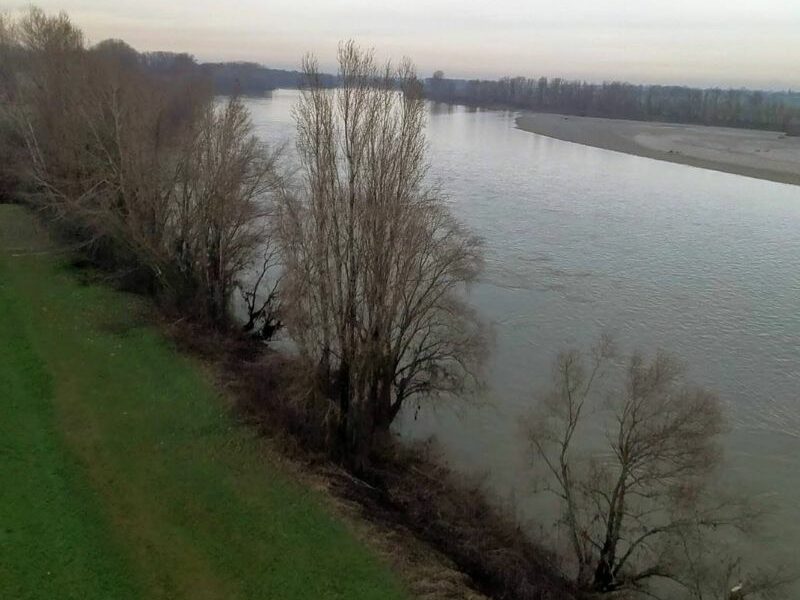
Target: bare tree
column 374, row 260
column 146, row 165
column 640, row 507
column 224, row 205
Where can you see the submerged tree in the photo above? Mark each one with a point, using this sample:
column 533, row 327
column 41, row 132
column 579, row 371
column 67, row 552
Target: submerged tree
column 224, row 209
column 642, row 507
column 374, row 259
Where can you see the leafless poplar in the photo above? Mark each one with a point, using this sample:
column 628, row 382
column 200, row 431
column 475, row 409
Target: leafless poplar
column 375, row 262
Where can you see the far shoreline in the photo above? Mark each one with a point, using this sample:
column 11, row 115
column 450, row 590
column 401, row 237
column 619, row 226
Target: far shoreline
column 768, row 155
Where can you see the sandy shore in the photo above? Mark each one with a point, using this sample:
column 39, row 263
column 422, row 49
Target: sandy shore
column 761, row 154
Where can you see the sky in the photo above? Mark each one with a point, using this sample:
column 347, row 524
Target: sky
column 736, row 43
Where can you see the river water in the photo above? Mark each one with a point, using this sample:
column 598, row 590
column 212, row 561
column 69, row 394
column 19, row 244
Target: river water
column 582, row 240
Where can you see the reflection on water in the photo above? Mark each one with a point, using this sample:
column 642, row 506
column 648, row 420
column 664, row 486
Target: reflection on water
column 582, row 240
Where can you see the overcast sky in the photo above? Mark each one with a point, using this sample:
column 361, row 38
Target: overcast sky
column 753, row 43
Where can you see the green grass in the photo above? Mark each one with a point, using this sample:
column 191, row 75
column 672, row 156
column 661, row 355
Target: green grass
column 122, row 474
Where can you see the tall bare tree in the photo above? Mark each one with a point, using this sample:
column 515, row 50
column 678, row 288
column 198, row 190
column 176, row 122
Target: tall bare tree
column 375, row 262
column 640, row 507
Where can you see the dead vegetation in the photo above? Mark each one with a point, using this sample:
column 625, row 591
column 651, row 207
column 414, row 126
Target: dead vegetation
column 440, row 529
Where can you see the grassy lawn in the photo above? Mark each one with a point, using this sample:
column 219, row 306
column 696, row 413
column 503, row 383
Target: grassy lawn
column 122, row 474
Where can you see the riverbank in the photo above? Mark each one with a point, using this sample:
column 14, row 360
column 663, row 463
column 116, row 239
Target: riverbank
column 146, row 457
column 761, row 154
column 122, row 472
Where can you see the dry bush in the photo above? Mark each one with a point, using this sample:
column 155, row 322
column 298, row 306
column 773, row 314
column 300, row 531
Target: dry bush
column 455, row 515
column 404, row 487
column 274, row 393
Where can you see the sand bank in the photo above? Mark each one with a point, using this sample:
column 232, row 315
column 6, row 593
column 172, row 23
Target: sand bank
column 761, row 154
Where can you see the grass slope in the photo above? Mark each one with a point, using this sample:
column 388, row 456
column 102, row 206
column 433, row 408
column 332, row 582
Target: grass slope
column 122, row 475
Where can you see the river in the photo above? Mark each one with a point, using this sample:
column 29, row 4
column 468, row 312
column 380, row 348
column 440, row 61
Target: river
column 581, row 240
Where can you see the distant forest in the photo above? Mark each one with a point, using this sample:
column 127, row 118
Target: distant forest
column 250, row 78
column 779, row 111
column 246, row 78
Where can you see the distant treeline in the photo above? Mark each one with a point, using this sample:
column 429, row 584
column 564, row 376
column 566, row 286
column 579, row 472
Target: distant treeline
column 250, row 78
column 227, row 78
column 619, row 100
